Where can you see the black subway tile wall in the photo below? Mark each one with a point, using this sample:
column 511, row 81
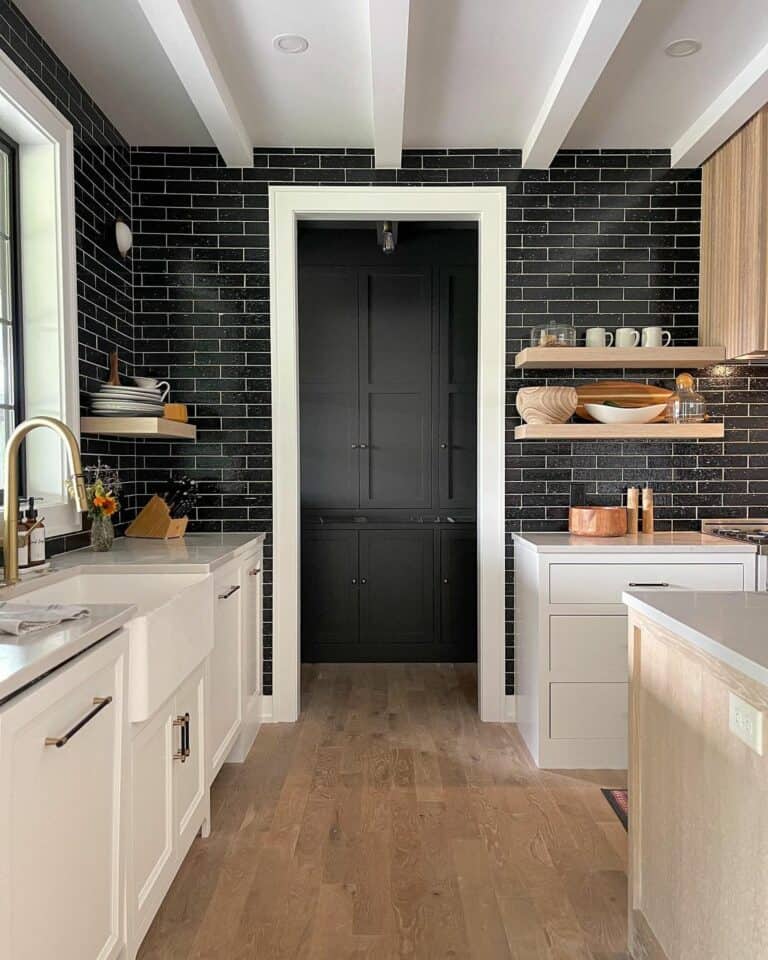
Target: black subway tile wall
column 603, row 237
column 102, row 193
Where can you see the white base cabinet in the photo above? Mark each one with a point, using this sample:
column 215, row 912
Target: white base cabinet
column 571, row 658
column 61, row 811
column 225, row 666
column 170, row 800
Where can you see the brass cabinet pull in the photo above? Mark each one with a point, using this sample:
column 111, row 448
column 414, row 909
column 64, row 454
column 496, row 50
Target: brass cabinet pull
column 99, row 703
column 182, row 721
column 228, row 593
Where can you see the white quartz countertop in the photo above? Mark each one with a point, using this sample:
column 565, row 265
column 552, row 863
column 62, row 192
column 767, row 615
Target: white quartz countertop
column 29, row 657
column 728, row 626
column 196, row 552
column 681, row 542
column 26, row 659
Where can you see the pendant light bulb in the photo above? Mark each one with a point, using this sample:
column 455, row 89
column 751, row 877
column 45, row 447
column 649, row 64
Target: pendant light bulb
column 387, row 238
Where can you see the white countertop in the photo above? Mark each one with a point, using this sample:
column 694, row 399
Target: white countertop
column 29, row 657
column 194, row 553
column 26, row 659
column 728, row 626
column 683, row 541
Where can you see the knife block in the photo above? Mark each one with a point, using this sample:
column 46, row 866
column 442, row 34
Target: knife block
column 156, row 523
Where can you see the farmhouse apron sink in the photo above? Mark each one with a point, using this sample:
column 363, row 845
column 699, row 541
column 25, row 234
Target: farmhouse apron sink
column 170, row 635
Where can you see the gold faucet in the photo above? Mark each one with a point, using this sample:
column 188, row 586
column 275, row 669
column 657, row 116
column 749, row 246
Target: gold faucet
column 11, row 486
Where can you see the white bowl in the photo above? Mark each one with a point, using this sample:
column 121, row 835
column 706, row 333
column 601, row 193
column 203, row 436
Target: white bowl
column 607, row 414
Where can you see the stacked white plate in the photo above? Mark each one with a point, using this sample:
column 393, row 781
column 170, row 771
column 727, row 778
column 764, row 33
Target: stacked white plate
column 124, row 401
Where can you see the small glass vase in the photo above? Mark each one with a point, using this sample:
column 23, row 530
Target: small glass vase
column 102, row 534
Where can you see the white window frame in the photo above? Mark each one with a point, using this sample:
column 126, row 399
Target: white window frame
column 485, row 206
column 48, row 284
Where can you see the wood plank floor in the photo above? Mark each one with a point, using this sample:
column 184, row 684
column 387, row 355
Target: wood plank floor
column 389, row 823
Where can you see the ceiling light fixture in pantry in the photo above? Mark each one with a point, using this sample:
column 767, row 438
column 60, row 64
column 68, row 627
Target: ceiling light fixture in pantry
column 290, row 43
column 682, row 48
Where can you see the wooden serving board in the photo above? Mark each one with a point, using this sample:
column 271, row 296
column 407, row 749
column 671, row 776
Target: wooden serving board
column 622, row 392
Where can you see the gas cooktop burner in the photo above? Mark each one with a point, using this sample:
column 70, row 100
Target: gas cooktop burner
column 750, row 531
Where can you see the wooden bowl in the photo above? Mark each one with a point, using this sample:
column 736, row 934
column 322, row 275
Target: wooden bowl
column 546, row 404
column 597, row 521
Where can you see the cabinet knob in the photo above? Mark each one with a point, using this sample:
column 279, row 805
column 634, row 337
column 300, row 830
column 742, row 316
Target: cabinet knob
column 354, row 446
column 363, row 446
column 363, row 580
column 354, row 579
column 443, row 446
column 445, row 579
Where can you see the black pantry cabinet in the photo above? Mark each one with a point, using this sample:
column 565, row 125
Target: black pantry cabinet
column 388, row 414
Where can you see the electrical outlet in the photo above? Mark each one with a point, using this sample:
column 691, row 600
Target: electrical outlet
column 746, row 722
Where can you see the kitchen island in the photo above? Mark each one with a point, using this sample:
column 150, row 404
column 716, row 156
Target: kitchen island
column 698, row 775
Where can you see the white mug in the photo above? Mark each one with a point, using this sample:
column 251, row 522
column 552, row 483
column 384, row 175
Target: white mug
column 152, row 383
column 656, row 337
column 627, row 337
column 599, row 337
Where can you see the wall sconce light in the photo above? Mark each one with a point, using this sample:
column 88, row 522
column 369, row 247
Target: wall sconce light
column 123, row 237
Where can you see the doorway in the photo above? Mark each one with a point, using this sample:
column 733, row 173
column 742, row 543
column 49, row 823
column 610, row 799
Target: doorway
column 388, row 450
column 486, row 206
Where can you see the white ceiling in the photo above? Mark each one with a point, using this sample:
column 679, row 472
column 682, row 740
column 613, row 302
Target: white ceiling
column 478, row 72
column 647, row 99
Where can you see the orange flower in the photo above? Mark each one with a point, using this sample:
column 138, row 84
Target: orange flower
column 108, row 505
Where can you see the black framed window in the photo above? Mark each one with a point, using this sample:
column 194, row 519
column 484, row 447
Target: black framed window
column 11, row 367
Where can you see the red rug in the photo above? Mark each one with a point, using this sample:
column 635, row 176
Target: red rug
column 619, row 801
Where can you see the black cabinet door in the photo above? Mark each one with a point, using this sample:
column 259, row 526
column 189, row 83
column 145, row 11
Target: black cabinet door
column 329, row 400
column 458, row 593
column 457, row 433
column 329, row 594
column 397, row 596
column 395, row 388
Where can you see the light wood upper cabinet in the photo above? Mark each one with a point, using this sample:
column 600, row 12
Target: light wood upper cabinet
column 734, row 243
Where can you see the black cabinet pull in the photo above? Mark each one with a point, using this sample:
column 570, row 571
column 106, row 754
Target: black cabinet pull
column 659, row 584
column 99, row 703
column 228, row 593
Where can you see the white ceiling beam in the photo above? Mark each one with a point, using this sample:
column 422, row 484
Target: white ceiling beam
column 742, row 98
column 183, row 39
column 601, row 26
column 389, row 56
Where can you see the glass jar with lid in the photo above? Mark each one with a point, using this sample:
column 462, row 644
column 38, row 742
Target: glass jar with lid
column 686, row 405
column 555, row 335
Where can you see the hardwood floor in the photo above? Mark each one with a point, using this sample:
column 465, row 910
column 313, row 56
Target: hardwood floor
column 388, row 823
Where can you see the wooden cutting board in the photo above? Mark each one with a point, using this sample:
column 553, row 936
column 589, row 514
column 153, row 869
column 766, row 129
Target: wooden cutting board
column 622, row 392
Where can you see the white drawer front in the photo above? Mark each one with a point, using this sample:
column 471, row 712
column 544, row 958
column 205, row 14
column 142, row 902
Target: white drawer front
column 588, row 711
column 604, row 583
column 588, row 648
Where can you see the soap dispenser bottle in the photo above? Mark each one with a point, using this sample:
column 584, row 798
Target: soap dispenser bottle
column 35, row 535
column 23, row 543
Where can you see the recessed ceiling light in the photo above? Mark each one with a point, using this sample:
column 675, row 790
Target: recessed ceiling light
column 290, row 43
column 682, row 48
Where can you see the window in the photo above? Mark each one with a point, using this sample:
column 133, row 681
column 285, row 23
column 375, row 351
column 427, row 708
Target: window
column 11, row 389
column 37, row 271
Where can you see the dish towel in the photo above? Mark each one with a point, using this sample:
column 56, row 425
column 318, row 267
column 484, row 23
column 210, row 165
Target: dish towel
column 18, row 618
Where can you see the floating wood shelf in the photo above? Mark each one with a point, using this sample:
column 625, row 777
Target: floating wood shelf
column 613, row 358
column 619, row 431
column 139, row 427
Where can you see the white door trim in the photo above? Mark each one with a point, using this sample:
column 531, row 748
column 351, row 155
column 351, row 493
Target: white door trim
column 487, row 207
